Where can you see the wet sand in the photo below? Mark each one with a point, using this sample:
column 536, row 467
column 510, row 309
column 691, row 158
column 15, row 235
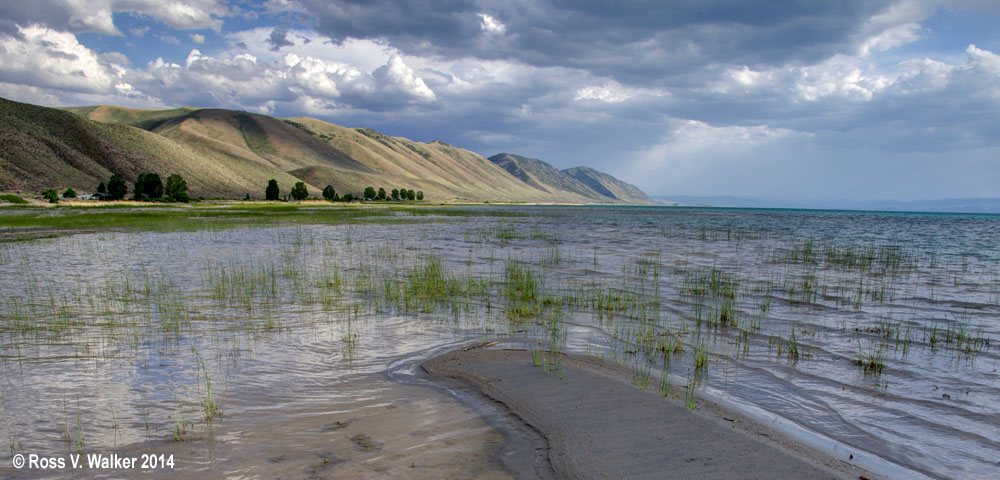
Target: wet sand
column 599, row 425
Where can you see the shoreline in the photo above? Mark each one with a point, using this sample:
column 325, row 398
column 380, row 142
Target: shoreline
column 599, row 425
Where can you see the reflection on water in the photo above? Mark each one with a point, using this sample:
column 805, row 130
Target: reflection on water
column 272, row 349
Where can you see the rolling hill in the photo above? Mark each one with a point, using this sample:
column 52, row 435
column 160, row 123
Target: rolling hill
column 233, row 153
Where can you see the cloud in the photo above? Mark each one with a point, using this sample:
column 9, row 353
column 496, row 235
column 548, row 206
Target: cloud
column 398, row 78
column 97, row 15
column 168, row 39
column 278, row 39
column 43, row 57
column 630, row 42
column 672, row 95
column 491, row 26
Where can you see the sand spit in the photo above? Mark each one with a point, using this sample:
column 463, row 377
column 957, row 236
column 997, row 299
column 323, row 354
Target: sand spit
column 600, row 426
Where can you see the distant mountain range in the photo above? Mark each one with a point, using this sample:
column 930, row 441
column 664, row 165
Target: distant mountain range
column 233, row 153
column 957, row 205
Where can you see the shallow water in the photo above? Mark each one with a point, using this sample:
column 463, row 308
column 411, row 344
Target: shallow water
column 289, row 350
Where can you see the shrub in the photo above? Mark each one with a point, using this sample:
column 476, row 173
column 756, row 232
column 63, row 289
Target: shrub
column 271, row 192
column 69, row 193
column 299, row 191
column 51, row 195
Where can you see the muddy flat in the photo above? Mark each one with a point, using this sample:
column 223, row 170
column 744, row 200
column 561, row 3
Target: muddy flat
column 599, row 425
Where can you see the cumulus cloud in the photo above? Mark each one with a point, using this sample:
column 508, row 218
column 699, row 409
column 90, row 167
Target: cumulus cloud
column 396, row 77
column 44, row 57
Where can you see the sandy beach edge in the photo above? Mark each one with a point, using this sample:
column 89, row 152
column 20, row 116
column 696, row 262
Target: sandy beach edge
column 600, row 425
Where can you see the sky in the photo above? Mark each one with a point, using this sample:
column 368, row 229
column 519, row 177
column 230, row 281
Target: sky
column 789, row 100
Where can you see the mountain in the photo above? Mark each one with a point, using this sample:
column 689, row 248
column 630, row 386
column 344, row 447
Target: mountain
column 587, row 185
column 44, row 147
column 232, row 153
column 609, row 186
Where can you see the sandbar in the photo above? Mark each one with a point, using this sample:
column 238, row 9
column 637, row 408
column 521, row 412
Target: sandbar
column 599, row 425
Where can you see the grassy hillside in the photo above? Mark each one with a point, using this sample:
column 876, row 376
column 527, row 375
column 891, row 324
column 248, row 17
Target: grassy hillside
column 231, row 153
column 50, row 148
column 442, row 171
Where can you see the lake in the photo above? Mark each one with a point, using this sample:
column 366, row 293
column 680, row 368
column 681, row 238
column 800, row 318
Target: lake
column 293, row 349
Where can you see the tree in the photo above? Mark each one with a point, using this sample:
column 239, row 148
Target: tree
column 69, row 193
column 381, row 193
column 51, row 195
column 148, row 185
column 395, row 194
column 101, row 188
column 117, row 187
column 176, row 188
column 369, row 193
column 410, row 195
column 402, row 193
column 348, row 197
column 420, row 194
column 329, row 193
column 271, row 193
column 299, row 191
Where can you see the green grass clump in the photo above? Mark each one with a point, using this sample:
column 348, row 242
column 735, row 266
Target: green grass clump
column 521, row 290
column 872, row 361
column 11, row 198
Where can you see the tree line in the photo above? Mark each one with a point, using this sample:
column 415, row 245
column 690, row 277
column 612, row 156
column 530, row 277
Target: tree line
column 299, row 192
column 148, row 186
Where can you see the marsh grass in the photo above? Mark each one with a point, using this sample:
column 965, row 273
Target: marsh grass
column 166, row 217
column 872, row 360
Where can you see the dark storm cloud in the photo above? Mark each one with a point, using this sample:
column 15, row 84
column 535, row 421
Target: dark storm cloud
column 635, row 42
column 413, row 24
column 278, row 39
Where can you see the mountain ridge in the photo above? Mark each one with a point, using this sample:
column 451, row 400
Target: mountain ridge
column 232, row 153
column 586, row 182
